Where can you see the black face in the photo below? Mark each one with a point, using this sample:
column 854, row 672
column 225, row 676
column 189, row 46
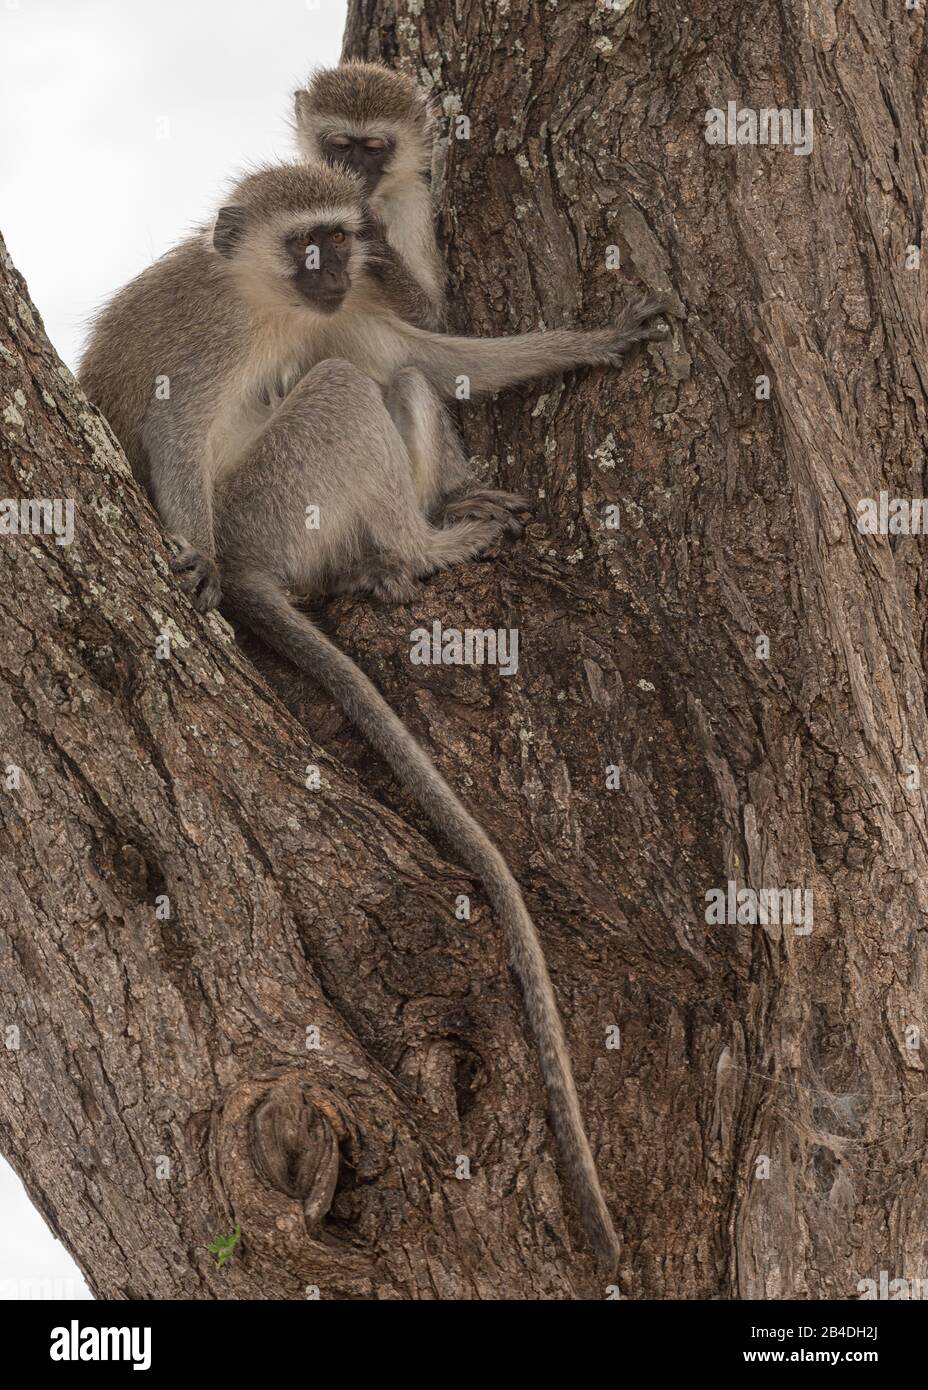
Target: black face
column 367, row 155
column 320, row 266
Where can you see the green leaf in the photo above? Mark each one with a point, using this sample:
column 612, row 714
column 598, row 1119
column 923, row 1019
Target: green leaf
column 223, row 1246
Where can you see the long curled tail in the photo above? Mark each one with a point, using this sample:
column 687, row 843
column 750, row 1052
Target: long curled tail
column 256, row 598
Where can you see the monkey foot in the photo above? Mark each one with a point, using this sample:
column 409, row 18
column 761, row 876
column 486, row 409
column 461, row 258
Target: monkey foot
column 388, row 584
column 508, row 509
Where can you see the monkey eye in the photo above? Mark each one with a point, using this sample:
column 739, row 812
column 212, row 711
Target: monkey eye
column 375, row 146
column 341, row 142
column 338, row 238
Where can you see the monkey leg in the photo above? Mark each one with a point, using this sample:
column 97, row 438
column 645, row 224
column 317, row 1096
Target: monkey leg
column 438, row 462
column 325, row 498
column 421, row 417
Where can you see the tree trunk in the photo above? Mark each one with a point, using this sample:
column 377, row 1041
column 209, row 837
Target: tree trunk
column 759, row 1129
column 641, row 647
column 228, row 999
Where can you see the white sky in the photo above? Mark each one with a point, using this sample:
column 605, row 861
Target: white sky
column 121, row 123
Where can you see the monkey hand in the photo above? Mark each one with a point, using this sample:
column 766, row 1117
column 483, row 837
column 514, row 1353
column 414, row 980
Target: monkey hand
column 638, row 323
column 379, row 254
column 197, row 574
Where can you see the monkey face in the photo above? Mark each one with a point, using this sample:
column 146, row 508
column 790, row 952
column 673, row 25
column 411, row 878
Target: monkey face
column 320, row 260
column 367, row 155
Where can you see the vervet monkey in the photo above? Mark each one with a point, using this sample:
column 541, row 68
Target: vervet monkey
column 379, row 124
column 244, row 374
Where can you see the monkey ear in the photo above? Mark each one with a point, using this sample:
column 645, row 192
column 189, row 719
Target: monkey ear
column 300, row 100
column 230, row 223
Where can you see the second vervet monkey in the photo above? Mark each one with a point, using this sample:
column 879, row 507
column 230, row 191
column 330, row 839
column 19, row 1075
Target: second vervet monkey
column 379, row 124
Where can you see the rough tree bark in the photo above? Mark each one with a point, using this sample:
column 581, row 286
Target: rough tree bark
column 639, row 650
column 290, row 1048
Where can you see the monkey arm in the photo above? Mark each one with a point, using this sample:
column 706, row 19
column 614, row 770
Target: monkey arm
column 182, row 494
column 399, row 289
column 491, row 364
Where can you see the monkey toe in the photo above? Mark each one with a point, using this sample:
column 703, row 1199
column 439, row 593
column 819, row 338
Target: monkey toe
column 386, row 584
column 505, row 522
column 507, row 509
column 512, row 502
column 391, row 589
column 488, row 533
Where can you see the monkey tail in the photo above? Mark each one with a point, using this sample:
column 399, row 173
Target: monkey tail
column 258, row 600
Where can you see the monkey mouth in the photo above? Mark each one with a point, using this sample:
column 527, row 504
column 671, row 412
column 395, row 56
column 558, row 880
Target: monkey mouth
column 328, row 303
column 325, row 301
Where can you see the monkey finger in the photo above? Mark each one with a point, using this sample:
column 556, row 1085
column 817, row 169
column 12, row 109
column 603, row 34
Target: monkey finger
column 198, row 576
column 207, row 595
column 639, row 322
column 186, row 560
column 648, row 306
column 655, row 331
